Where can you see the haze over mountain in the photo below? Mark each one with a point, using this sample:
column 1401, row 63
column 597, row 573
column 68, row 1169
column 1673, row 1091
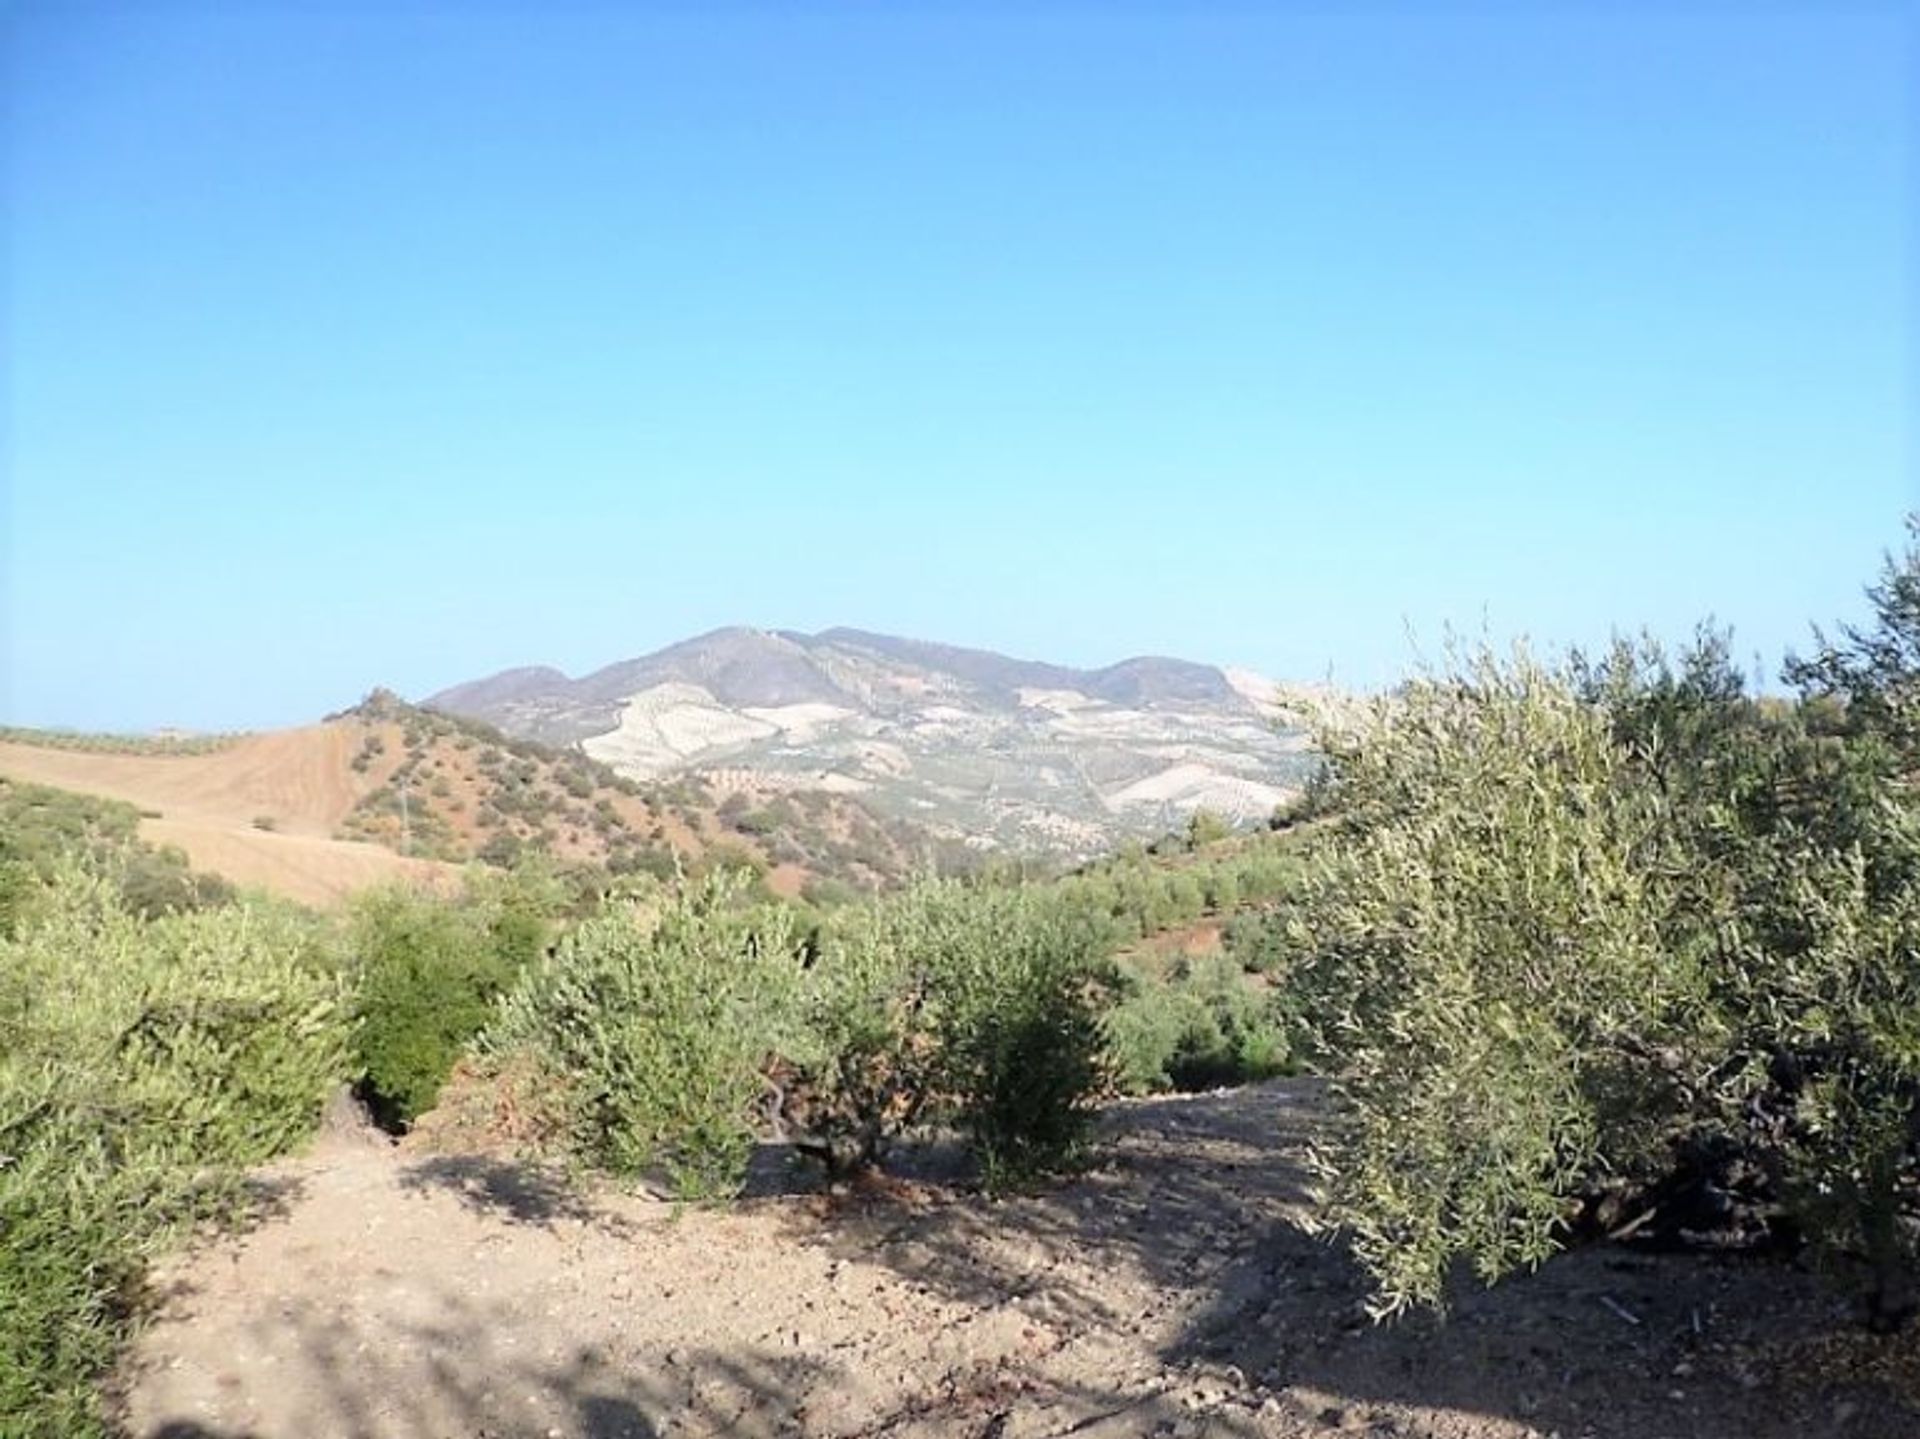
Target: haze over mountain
column 1004, row 752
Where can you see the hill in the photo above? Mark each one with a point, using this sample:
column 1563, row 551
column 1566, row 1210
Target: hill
column 389, row 791
column 996, row 752
column 260, row 809
column 460, row 789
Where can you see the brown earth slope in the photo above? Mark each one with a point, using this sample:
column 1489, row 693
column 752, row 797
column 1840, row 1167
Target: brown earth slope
column 300, row 781
column 393, row 1293
column 390, row 791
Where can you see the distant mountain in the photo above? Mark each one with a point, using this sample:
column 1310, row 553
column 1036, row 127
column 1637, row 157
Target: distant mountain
column 998, row 752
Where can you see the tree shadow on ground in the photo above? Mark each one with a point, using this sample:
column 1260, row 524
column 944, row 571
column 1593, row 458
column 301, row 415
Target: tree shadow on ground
column 517, row 1190
column 1201, row 1202
column 266, row 1197
column 331, row 1381
column 1150, row 1204
column 1170, row 1289
column 781, row 1169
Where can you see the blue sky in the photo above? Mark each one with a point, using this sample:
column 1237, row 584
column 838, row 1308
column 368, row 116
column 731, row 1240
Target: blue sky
column 345, row 345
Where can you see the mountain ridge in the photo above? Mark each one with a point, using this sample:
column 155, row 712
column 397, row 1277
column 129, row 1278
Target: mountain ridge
column 988, row 668
column 998, row 751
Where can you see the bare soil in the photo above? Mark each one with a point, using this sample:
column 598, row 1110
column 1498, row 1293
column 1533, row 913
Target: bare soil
column 322, row 846
column 392, row 1291
column 206, row 804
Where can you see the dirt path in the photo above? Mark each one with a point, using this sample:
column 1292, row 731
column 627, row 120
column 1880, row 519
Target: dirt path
column 1169, row 1291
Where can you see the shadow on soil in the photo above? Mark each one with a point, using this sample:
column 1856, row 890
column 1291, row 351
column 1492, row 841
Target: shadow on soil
column 1202, row 1198
column 506, row 1189
column 477, row 1388
column 1182, row 1245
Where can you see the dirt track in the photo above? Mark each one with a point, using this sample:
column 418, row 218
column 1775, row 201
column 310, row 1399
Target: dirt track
column 391, row 1292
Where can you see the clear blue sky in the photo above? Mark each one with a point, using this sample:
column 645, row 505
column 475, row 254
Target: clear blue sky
column 345, row 346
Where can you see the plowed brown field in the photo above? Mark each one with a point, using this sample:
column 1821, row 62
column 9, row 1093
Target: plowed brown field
column 300, row 779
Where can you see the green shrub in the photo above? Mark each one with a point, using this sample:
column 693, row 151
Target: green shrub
column 655, row 1030
column 972, row 1004
column 826, row 892
column 41, row 828
column 430, row 970
column 1620, row 928
column 1148, row 1028
column 1016, row 974
column 756, row 822
column 1201, row 1028
column 883, row 1010
column 1257, row 941
column 1477, row 950
column 1204, row 827
column 142, row 1063
column 869, row 1060
column 1221, row 889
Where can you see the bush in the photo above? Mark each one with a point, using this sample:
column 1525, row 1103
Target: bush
column 1221, row 889
column 869, row 1062
column 1204, row 827
column 502, row 850
column 655, row 1030
column 43, row 828
column 1619, row 929
column 430, row 970
column 1018, row 1026
column 1202, row 1028
column 825, row 892
column 143, row 1062
column 756, row 822
column 974, row 1003
column 1478, row 951
column 1147, row 1029
column 1257, row 941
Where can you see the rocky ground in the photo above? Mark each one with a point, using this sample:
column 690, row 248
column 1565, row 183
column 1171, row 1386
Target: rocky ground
column 390, row 1291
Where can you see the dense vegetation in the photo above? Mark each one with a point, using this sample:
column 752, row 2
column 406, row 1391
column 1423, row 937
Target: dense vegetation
column 41, row 827
column 1618, row 942
column 677, row 1026
column 143, row 1062
column 430, row 971
column 159, row 1034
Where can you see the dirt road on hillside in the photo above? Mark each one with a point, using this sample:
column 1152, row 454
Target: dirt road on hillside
column 394, row 1294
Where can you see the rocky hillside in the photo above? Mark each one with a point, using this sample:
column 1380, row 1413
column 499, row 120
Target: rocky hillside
column 1000, row 752
column 458, row 789
column 388, row 791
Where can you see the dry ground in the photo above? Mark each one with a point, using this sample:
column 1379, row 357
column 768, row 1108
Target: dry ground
column 305, row 782
column 390, row 1291
column 207, row 804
